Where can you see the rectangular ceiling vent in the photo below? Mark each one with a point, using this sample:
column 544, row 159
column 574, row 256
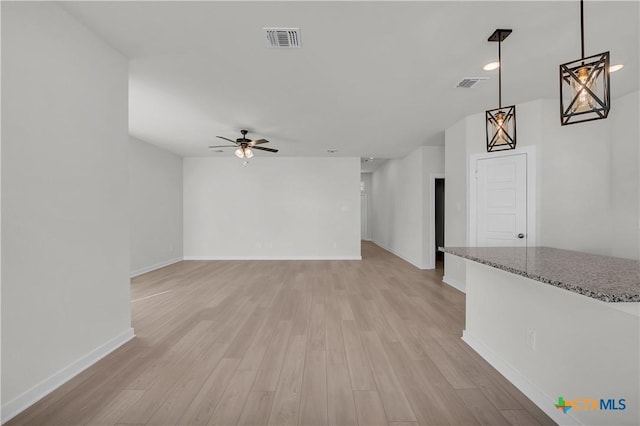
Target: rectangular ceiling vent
column 470, row 82
column 283, row 38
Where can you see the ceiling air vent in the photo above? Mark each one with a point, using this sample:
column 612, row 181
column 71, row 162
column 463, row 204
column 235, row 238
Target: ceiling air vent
column 470, row 82
column 283, row 38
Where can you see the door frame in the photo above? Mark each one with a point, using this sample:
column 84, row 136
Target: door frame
column 530, row 155
column 432, row 220
column 365, row 213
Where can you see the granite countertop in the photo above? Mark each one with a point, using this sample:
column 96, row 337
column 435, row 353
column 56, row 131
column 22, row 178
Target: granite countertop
column 610, row 279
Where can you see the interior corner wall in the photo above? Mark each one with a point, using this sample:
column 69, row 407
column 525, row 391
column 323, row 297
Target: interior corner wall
column 367, row 178
column 455, row 200
column 274, row 208
column 432, row 164
column 155, row 203
column 65, row 244
column 398, row 192
column 401, row 204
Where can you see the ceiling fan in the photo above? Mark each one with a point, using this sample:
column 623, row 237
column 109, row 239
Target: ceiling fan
column 244, row 145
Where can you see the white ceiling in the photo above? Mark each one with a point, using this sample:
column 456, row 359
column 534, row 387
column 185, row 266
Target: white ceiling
column 371, row 79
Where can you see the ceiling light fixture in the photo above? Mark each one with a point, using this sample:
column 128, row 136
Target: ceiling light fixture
column 243, row 152
column 491, row 66
column 614, row 68
column 584, row 85
column 501, row 122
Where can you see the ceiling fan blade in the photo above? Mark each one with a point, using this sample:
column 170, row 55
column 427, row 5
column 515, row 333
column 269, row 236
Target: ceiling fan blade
column 264, row 149
column 227, row 139
column 223, row 146
column 258, row 142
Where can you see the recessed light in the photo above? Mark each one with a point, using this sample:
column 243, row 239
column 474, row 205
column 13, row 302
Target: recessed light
column 491, row 66
column 370, row 158
column 332, row 151
column 617, row 67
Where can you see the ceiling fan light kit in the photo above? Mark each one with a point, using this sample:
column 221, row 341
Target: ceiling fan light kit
column 500, row 122
column 244, row 147
column 584, row 85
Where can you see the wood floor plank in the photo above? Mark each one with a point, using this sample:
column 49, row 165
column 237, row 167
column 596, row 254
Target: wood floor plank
column 396, row 405
column 232, row 402
column 255, row 352
column 317, row 335
column 481, row 408
column 369, row 408
column 341, row 410
column 361, row 377
column 269, row 372
column 111, row 412
column 519, row 418
column 286, row 403
column 334, row 339
column 313, row 403
column 257, row 409
column 204, row 403
column 291, row 342
column 241, row 342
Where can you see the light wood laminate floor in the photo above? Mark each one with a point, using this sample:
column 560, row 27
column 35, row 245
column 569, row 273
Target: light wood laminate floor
column 375, row 342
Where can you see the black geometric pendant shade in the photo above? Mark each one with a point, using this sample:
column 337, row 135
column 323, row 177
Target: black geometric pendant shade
column 584, row 89
column 501, row 128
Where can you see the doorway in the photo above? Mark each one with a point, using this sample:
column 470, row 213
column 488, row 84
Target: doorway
column 436, row 227
column 502, row 199
column 439, row 222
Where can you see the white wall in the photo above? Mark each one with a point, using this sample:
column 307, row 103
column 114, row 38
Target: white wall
column 432, row 165
column 587, row 178
column 65, row 245
column 274, row 208
column 455, row 199
column 625, row 175
column 155, row 203
column 367, row 178
column 575, row 167
column 401, row 204
column 600, row 338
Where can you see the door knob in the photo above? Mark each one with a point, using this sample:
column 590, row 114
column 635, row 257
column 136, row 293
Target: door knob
column 520, row 235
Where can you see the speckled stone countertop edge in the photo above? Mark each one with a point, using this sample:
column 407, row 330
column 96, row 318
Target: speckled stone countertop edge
column 608, row 298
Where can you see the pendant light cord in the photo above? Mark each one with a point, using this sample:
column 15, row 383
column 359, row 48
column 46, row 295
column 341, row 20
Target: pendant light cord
column 500, row 70
column 582, row 27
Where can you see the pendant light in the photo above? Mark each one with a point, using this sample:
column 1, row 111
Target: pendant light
column 584, row 85
column 501, row 122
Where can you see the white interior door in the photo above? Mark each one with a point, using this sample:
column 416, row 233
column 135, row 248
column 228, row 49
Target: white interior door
column 501, row 188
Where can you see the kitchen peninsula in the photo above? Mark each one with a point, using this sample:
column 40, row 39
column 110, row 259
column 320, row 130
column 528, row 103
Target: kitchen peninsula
column 558, row 323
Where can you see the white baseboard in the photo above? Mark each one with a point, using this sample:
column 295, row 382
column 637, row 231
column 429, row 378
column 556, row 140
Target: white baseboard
column 273, row 258
column 154, row 267
column 417, row 265
column 454, row 283
column 33, row 395
column 537, row 396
